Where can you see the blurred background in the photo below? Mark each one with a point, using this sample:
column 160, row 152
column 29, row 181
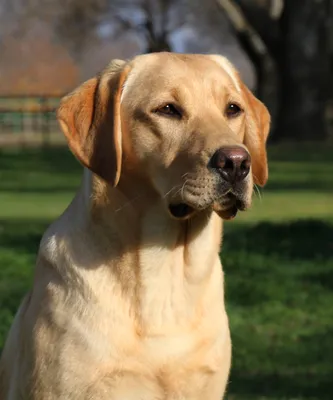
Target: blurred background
column 278, row 257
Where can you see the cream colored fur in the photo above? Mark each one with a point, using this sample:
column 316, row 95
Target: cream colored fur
column 127, row 301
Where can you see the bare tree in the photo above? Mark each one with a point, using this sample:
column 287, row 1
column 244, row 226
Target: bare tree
column 288, row 42
column 76, row 22
column 303, row 57
column 297, row 37
column 255, row 47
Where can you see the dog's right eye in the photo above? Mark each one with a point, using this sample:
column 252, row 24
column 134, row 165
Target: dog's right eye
column 169, row 109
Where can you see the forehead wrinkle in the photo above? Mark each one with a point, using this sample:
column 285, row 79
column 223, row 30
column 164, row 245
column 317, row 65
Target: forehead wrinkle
column 182, row 88
column 216, row 89
column 176, row 94
column 197, row 89
column 220, row 95
column 224, row 91
column 185, row 83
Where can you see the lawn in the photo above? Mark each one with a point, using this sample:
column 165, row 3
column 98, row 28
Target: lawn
column 278, row 260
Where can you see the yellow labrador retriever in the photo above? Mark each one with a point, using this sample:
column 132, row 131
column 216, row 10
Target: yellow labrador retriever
column 128, row 298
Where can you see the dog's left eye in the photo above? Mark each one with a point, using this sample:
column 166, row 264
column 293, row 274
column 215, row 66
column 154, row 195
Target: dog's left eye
column 169, row 109
column 233, row 110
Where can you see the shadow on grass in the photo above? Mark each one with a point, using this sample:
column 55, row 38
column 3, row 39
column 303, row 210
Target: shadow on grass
column 22, row 236
column 57, row 159
column 312, row 185
column 279, row 281
column 39, row 171
column 300, row 152
column 301, row 176
column 306, row 239
column 281, row 385
column 19, row 246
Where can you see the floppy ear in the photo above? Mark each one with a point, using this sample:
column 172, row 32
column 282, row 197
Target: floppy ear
column 257, row 129
column 90, row 120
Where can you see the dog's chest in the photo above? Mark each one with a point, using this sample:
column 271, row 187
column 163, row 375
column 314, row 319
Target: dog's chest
column 181, row 340
column 172, row 361
column 172, row 367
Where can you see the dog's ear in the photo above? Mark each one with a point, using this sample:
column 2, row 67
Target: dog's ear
column 90, row 120
column 257, row 129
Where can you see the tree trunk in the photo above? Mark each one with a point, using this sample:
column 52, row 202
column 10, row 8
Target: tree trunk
column 157, row 45
column 304, row 70
column 258, row 35
column 156, row 25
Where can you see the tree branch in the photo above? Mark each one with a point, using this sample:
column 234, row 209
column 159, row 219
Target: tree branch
column 262, row 21
column 257, row 51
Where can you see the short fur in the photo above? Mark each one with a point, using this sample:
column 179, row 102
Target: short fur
column 127, row 301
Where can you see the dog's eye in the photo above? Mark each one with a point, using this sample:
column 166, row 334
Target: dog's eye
column 169, row 109
column 233, row 110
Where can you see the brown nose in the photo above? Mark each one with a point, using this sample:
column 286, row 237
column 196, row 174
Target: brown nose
column 232, row 163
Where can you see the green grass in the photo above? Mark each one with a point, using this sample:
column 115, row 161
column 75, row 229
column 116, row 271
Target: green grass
column 278, row 261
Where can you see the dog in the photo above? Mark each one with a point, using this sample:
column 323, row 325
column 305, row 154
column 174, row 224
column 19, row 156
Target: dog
column 128, row 294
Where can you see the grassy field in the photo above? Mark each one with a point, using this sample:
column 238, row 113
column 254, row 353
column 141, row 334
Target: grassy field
column 278, row 260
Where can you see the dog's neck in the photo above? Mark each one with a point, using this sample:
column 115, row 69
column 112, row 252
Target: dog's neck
column 166, row 259
column 134, row 206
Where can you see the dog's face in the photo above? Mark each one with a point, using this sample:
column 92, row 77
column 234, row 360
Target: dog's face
column 186, row 123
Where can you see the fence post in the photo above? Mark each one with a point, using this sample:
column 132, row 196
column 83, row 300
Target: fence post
column 45, row 122
column 28, row 114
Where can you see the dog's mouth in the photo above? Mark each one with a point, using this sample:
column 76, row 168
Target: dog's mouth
column 181, row 210
column 227, row 210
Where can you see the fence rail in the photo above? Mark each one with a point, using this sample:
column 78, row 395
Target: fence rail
column 25, row 119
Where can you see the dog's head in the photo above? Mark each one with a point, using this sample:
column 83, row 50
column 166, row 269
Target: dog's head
column 185, row 123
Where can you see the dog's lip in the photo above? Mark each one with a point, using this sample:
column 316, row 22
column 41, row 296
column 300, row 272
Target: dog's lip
column 181, row 210
column 227, row 213
column 228, row 210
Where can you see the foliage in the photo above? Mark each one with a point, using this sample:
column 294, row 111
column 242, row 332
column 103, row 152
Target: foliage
column 36, row 64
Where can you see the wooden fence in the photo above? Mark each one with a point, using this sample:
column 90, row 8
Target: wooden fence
column 28, row 119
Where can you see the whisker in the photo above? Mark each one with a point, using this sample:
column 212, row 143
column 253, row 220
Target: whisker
column 182, row 189
column 173, row 188
column 129, row 202
column 208, row 217
column 257, row 190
